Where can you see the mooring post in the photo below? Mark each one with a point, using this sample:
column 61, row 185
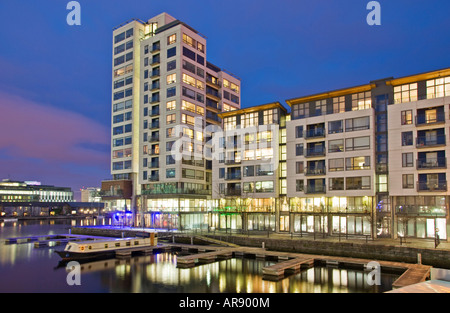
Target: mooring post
column 419, row 258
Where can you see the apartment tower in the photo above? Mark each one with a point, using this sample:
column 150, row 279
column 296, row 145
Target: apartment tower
column 165, row 92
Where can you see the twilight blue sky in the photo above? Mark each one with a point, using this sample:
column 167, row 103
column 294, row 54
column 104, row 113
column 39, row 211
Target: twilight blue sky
column 55, row 86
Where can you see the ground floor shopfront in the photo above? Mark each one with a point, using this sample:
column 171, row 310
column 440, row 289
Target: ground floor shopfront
column 418, row 217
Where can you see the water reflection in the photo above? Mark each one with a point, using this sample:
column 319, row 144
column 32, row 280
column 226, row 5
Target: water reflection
column 158, row 273
column 24, row 268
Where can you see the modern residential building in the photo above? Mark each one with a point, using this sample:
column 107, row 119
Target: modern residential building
column 419, row 146
column 331, row 163
column 249, row 168
column 165, row 92
column 371, row 160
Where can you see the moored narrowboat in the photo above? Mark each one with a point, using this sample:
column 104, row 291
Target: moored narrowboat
column 104, row 248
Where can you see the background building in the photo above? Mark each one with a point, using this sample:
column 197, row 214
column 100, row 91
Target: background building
column 23, row 191
column 91, row 194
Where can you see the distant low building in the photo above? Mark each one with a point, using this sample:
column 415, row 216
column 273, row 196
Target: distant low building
column 33, row 191
column 91, row 194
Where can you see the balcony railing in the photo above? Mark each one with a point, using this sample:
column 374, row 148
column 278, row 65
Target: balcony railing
column 315, row 152
column 420, row 210
column 315, row 171
column 423, row 119
column 233, row 176
column 435, row 163
column 233, row 192
column 424, row 141
column 154, row 178
column 432, row 186
column 315, row 133
column 316, row 189
column 175, row 191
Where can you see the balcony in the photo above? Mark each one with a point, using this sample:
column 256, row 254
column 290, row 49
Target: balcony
column 155, row 60
column 430, row 116
column 154, row 99
column 233, row 176
column 175, row 191
column 320, row 189
column 315, row 152
column 213, row 81
column 154, row 178
column 435, row 186
column 154, row 125
column 232, row 161
column 315, row 171
column 315, row 133
column 423, row 210
column 155, row 86
column 430, row 141
column 156, row 73
column 155, row 48
column 233, row 192
column 435, row 163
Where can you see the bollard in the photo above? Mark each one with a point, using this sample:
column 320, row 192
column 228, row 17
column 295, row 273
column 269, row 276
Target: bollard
column 264, row 245
column 419, row 258
column 192, row 240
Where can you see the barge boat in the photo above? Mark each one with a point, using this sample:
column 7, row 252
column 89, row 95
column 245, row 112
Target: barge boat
column 104, row 248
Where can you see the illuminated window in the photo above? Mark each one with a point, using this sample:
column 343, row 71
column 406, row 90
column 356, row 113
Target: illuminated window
column 188, row 40
column 439, row 87
column 250, row 119
column 200, row 85
column 227, row 107
column 188, row 132
column 200, row 47
column 265, row 136
column 270, row 116
column 188, row 106
column 357, row 163
column 300, row 110
column 321, row 107
column 172, row 39
column 406, row 117
column 171, row 118
column 171, row 105
column 230, row 123
column 405, row 93
column 171, row 79
column 189, row 80
column 187, row 119
column 361, row 101
column 200, row 110
column 338, row 104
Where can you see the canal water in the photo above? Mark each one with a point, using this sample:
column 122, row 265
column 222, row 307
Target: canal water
column 24, row 268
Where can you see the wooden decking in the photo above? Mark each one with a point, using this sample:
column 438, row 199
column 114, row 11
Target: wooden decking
column 278, row 270
column 415, row 273
column 45, row 240
column 289, row 263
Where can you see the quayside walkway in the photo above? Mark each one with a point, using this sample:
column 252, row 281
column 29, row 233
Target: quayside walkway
column 411, row 251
